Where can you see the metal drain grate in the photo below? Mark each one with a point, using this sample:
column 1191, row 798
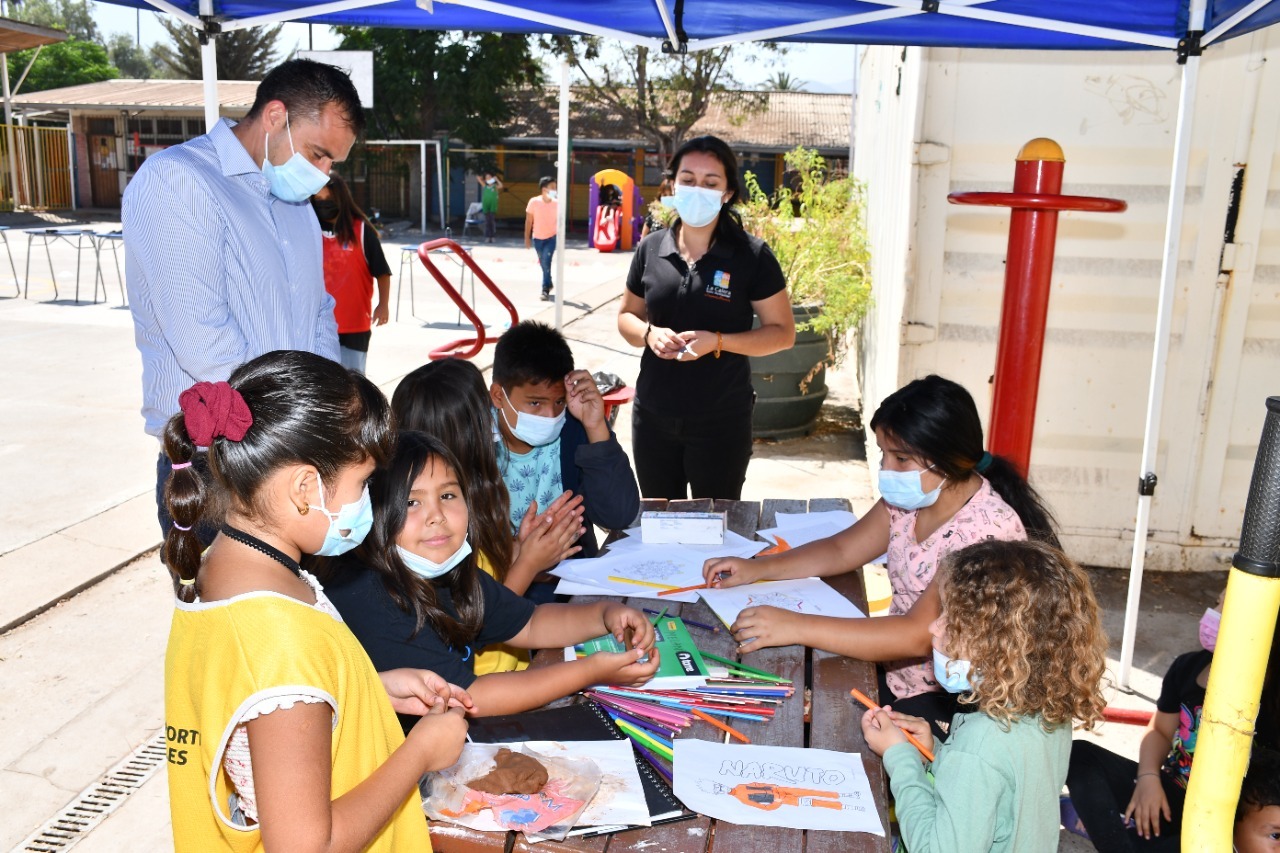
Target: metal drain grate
column 65, row 829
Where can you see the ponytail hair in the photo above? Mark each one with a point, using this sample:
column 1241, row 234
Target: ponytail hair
column 937, row 419
column 448, row 399
column 389, row 488
column 281, row 408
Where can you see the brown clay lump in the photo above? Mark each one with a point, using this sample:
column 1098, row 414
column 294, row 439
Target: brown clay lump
column 512, row 773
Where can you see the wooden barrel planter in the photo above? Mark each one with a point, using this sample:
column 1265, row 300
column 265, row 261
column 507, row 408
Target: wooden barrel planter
column 791, row 385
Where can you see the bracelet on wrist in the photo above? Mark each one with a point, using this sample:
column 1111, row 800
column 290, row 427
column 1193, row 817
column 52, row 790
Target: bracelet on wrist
column 719, row 343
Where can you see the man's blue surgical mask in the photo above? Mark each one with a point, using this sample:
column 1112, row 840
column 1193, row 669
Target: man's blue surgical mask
column 297, row 179
column 697, row 206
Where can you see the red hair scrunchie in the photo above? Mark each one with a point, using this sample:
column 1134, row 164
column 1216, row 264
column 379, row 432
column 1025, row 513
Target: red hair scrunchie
column 214, row 409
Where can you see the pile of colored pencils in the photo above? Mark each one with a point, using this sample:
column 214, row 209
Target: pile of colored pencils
column 653, row 718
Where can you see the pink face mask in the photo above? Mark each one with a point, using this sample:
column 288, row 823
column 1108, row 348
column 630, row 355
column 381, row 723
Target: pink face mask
column 1209, row 628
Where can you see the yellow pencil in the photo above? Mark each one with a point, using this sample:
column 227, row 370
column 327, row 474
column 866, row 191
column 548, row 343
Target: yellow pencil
column 641, row 583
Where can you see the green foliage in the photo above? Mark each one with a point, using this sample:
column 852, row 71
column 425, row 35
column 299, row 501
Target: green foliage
column 425, row 82
column 817, row 229
column 73, row 18
column 781, row 81
column 69, row 63
column 242, row 54
column 133, row 62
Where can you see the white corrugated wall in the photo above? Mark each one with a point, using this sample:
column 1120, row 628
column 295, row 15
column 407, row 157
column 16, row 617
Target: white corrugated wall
column 943, row 120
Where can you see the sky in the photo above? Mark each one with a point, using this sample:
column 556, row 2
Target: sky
column 823, row 68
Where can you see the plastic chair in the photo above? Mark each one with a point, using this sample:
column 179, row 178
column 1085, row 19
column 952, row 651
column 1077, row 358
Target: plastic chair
column 475, row 216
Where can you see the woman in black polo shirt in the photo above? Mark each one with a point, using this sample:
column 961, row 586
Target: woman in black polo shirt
column 690, row 297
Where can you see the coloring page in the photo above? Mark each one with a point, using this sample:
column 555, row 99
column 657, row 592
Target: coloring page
column 804, row 595
column 776, row 786
column 639, row 572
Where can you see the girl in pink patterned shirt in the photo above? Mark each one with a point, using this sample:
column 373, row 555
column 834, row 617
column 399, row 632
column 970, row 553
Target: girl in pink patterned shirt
column 940, row 491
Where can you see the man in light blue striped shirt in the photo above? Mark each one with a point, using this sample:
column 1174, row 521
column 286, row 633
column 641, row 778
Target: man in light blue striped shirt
column 223, row 261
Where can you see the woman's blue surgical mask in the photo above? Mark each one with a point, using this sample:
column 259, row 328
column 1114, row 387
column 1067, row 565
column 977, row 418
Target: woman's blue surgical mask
column 430, row 569
column 534, row 430
column 697, row 206
column 952, row 674
column 297, row 179
column 355, row 518
column 903, row 489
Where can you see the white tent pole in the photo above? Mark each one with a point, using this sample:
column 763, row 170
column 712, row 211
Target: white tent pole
column 1159, row 358
column 441, row 180
column 1230, row 23
column 522, row 14
column 562, row 187
column 181, row 14
column 667, row 23
column 298, row 14
column 209, row 71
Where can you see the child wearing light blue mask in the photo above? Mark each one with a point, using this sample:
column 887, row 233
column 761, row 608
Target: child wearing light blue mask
column 413, row 595
column 939, row 491
column 1020, row 638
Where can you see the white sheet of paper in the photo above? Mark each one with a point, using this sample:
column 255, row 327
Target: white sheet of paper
column 776, row 786
column 668, row 565
column 803, row 595
column 839, row 517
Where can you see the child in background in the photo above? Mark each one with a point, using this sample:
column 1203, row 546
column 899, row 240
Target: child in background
column 1258, row 814
column 412, row 595
column 281, row 736
column 1126, row 806
column 554, row 436
column 1019, row 637
column 939, row 492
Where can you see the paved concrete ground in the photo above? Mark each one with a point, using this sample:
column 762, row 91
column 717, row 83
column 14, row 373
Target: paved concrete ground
column 80, row 680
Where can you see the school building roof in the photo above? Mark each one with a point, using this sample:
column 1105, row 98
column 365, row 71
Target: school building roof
column 234, row 96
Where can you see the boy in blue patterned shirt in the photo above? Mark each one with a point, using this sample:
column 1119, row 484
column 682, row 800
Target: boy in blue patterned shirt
column 553, row 433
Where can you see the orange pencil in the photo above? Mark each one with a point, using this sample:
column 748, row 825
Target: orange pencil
column 722, row 727
column 682, row 589
column 872, row 706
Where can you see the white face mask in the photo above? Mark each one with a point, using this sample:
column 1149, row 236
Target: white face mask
column 697, row 206
column 551, row 195
column 430, row 569
column 534, row 430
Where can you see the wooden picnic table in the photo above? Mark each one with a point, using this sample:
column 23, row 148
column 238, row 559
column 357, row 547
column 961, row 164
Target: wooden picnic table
column 833, row 723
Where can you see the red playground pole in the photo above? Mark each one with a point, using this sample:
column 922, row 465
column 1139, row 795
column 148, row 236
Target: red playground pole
column 1033, row 228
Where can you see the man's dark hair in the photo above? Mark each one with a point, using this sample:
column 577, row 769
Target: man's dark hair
column 543, row 181
column 305, row 86
column 531, row 352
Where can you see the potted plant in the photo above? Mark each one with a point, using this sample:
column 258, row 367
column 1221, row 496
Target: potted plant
column 816, row 227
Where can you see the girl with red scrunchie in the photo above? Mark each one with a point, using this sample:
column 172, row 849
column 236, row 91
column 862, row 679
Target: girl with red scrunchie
column 281, row 734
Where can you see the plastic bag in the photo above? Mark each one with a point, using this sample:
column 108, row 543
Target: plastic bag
column 571, row 784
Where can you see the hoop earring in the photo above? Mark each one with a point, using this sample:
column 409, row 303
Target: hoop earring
column 304, row 509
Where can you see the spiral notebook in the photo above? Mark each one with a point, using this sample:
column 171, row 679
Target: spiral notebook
column 583, row 721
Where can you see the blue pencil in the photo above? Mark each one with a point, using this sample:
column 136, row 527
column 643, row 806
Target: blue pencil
column 647, row 725
column 653, row 760
column 712, row 628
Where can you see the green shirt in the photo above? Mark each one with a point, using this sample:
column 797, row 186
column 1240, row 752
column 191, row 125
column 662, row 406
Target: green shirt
column 489, row 198
column 992, row 790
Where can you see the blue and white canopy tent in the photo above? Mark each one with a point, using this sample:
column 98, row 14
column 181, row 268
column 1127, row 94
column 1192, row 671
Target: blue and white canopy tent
column 1183, row 28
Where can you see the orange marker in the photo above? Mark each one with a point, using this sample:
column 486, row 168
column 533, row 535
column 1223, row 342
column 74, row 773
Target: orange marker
column 872, row 706
column 721, row 726
column 783, row 545
column 682, row 589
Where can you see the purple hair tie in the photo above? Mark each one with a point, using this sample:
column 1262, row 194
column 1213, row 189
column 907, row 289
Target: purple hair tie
column 179, row 466
column 180, row 527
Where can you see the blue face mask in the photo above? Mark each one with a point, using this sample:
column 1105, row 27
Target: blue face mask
column 356, row 519
column 952, row 674
column 903, row 490
column 297, row 180
column 430, row 569
column 533, row 430
column 697, row 206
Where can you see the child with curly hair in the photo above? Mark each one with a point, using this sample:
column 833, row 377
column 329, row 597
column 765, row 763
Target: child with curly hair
column 1020, row 639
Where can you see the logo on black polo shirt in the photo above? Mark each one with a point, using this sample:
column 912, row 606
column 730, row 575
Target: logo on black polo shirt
column 719, row 287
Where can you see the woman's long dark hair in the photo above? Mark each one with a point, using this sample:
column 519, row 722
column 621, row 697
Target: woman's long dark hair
column 344, row 227
column 389, row 488
column 937, row 420
column 306, row 409
column 448, row 399
column 729, row 225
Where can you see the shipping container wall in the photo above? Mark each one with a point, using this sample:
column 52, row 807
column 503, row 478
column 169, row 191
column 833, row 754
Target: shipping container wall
column 940, row 271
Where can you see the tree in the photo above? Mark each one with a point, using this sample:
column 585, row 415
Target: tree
column 664, row 94
column 242, row 54
column 69, row 63
column 425, row 82
column 133, row 61
column 74, row 18
column 781, row 81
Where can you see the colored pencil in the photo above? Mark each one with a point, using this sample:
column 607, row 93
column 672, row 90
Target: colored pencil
column 742, row 667
column 651, row 742
column 721, row 726
column 618, row 579
column 654, row 762
column 872, row 706
column 678, row 590
column 661, row 613
column 712, row 628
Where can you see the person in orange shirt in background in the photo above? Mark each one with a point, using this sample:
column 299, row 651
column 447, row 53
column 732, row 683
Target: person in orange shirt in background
column 353, row 259
column 540, row 229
